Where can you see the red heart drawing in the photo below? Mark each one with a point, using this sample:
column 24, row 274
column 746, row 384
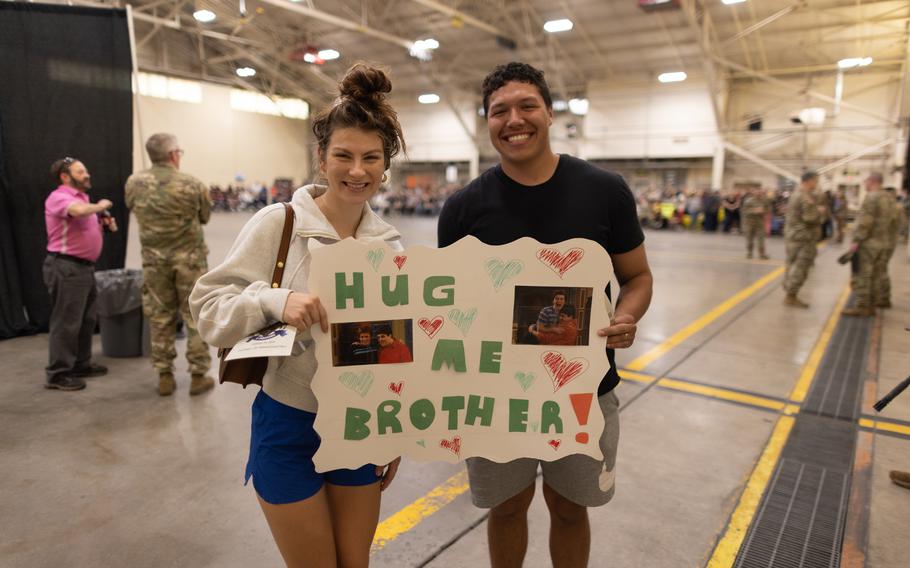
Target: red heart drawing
column 453, row 445
column 399, row 261
column 555, row 444
column 396, row 387
column 562, row 370
column 430, row 326
column 560, row 263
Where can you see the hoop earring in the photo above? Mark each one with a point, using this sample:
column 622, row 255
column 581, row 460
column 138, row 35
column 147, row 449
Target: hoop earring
column 385, row 178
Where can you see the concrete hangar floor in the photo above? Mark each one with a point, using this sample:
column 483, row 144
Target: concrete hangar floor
column 748, row 439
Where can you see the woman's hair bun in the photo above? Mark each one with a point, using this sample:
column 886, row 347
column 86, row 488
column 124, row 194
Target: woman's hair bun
column 365, row 84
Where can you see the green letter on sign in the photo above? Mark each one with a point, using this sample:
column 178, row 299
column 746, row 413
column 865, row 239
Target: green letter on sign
column 549, row 416
column 343, row 291
column 398, row 296
column 476, row 410
column 386, row 417
column 422, row 414
column 355, row 424
column 431, row 284
column 452, row 404
column 490, row 356
column 518, row 415
column 450, row 352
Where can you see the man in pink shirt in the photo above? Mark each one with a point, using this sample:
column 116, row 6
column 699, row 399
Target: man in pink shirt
column 74, row 239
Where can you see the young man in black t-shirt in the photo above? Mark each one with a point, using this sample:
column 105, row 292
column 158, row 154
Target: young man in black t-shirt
column 536, row 193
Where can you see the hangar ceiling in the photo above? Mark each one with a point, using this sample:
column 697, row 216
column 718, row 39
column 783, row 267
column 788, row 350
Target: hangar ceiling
column 612, row 40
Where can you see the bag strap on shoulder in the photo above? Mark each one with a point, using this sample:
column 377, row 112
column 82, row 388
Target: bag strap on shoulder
column 285, row 245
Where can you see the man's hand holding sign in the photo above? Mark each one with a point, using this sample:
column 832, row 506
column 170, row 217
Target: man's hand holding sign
column 478, row 384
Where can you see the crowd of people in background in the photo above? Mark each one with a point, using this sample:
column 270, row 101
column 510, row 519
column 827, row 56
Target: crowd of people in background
column 389, row 201
column 713, row 211
column 670, row 208
column 412, row 201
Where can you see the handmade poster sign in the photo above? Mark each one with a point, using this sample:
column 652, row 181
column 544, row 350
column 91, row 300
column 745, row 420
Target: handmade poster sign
column 470, row 350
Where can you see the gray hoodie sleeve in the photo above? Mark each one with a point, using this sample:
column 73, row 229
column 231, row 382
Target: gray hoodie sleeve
column 235, row 298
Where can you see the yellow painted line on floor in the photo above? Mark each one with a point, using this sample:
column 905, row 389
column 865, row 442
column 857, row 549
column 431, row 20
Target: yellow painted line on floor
column 409, row 517
column 815, row 358
column 636, row 377
column 728, row 546
column 723, row 394
column 685, row 333
column 885, row 426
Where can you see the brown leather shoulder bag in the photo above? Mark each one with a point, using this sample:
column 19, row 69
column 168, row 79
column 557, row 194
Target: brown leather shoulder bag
column 250, row 371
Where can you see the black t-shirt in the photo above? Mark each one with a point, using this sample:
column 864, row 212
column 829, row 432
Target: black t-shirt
column 580, row 200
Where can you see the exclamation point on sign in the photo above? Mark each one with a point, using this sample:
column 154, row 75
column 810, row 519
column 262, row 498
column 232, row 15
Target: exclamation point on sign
column 581, row 403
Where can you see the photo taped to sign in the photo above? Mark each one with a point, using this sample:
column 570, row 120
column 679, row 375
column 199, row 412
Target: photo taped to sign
column 373, row 342
column 551, row 315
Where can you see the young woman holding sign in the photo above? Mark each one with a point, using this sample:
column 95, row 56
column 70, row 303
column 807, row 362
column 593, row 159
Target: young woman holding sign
column 317, row 519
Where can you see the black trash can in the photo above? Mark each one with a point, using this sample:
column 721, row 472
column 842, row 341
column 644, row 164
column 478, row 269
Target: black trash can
column 123, row 329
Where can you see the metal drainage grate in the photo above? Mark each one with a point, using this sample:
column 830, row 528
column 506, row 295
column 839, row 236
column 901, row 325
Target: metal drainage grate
column 837, row 389
column 800, row 522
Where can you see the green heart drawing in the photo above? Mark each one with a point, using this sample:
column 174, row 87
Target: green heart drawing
column 535, row 426
column 422, row 443
column 500, row 271
column 357, row 382
column 525, row 379
column 375, row 257
column 463, row 321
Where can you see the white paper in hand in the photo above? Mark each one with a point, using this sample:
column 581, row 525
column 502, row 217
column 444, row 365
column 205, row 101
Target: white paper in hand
column 271, row 342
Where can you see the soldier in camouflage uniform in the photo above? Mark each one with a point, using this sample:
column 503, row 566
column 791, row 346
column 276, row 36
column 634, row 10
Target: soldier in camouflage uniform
column 839, row 214
column 877, row 221
column 754, row 208
column 171, row 208
column 802, row 229
column 883, row 299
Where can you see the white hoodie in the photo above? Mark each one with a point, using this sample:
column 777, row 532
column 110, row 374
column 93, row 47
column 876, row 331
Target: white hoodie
column 235, row 298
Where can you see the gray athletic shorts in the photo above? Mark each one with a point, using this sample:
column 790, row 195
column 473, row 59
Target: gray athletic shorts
column 579, row 478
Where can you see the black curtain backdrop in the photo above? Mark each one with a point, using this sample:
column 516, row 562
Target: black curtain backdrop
column 65, row 90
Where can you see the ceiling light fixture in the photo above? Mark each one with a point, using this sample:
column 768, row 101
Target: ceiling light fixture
column 672, row 77
column 851, row 62
column 560, row 105
column 728, row 2
column 428, row 99
column 422, row 49
column 328, row 54
column 246, row 72
column 204, row 16
column 578, row 106
column 554, row 26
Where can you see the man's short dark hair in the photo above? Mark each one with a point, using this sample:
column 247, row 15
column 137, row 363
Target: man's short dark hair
column 568, row 310
column 559, row 293
column 383, row 328
column 810, row 175
column 514, row 71
column 61, row 166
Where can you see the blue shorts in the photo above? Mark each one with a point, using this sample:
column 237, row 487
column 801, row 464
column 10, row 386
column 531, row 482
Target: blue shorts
column 282, row 445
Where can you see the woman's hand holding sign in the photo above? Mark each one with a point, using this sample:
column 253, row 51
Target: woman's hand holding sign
column 303, row 311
